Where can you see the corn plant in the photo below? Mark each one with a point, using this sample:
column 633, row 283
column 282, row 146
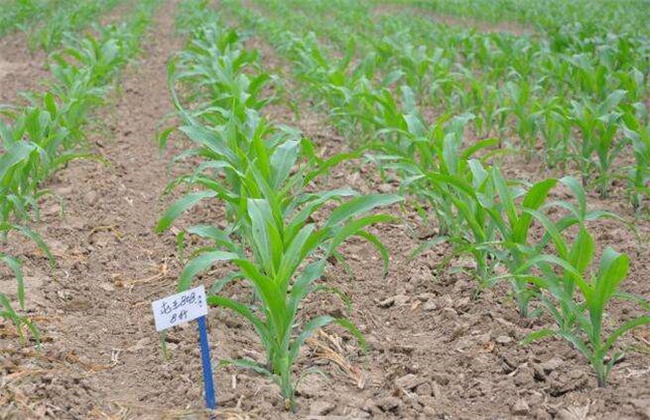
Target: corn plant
column 8, row 312
column 512, row 220
column 561, row 280
column 493, row 225
column 23, row 14
column 435, row 167
column 521, row 99
column 599, row 126
column 15, row 265
column 277, row 237
column 274, row 219
column 555, row 129
column 473, row 225
column 65, row 20
column 639, row 174
column 581, row 319
column 289, row 256
column 498, row 77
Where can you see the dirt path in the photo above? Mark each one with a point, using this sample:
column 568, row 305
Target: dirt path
column 126, row 266
column 20, row 68
column 94, row 310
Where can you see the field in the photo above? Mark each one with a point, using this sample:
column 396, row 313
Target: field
column 399, row 208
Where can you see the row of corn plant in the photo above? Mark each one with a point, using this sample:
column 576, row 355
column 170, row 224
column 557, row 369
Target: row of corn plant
column 45, row 23
column 503, row 224
column 65, row 20
column 588, row 134
column 282, row 228
column 610, row 74
column 24, row 13
column 41, row 137
column 550, row 16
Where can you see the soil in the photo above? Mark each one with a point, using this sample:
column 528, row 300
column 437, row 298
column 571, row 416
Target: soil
column 436, row 350
column 20, row 68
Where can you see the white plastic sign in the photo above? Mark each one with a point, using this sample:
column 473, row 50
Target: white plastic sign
column 180, row 308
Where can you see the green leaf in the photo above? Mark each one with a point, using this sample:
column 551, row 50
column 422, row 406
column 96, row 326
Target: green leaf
column 37, row 239
column 355, row 227
column 282, row 161
column 534, row 199
column 582, row 251
column 308, row 330
column 181, row 206
column 537, row 335
column 15, row 266
column 247, row 364
column 244, row 311
column 303, row 285
column 360, row 205
column 627, row 326
column 220, row 284
column 265, row 235
column 199, row 264
column 374, row 240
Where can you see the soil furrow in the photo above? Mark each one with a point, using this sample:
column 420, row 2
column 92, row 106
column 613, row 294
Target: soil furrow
column 94, row 310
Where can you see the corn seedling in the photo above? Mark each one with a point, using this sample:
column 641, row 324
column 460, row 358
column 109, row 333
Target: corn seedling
column 639, row 174
column 581, row 319
column 263, row 174
column 66, row 19
column 23, row 14
column 599, row 127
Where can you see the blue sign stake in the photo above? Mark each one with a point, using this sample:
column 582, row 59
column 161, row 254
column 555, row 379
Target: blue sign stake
column 210, row 397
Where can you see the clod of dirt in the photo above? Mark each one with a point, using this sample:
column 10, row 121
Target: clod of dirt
column 436, row 391
column 463, row 304
column 389, row 404
column 353, row 413
column 521, row 408
column 91, row 198
column 503, row 339
column 524, row 376
column 551, row 365
column 424, row 297
column 385, row 188
column 574, row 413
column 52, row 210
column 397, row 300
column 642, row 406
column 409, row 382
column 107, row 287
column 441, row 378
column 449, row 314
column 573, row 381
column 541, row 414
column 430, row 306
column 64, row 191
column 429, row 412
column 424, row 389
column 321, row 408
column 311, row 386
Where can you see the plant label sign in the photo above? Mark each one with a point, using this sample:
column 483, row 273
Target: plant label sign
column 180, row 308
column 185, row 307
